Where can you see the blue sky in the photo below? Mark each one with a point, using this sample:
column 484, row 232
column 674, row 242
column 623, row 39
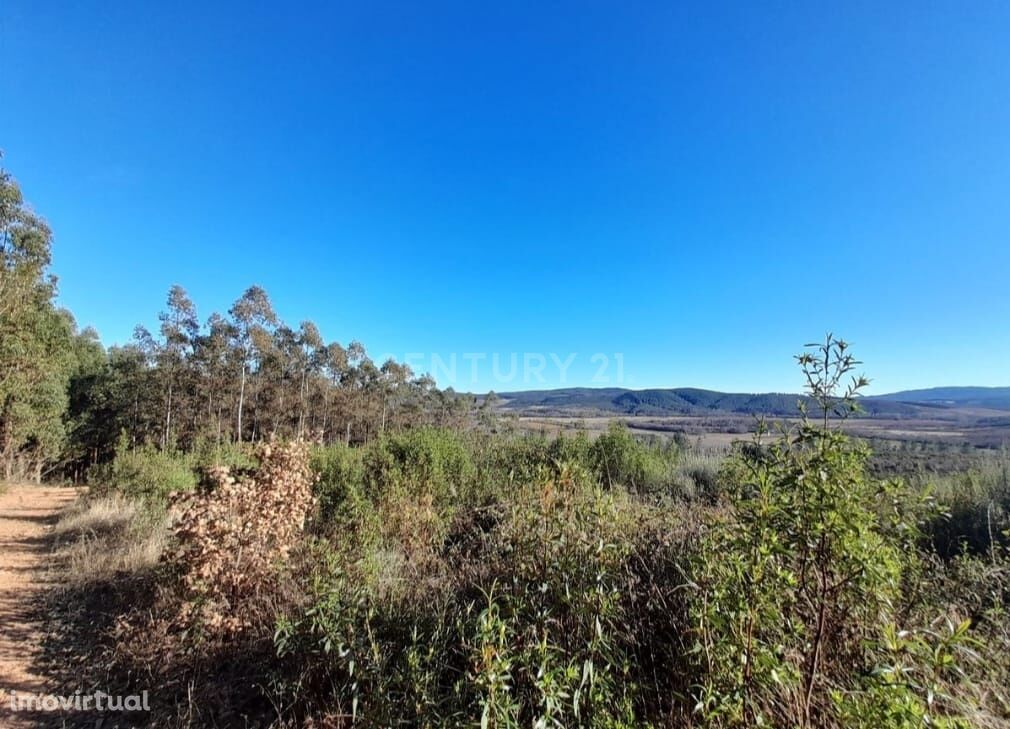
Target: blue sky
column 700, row 188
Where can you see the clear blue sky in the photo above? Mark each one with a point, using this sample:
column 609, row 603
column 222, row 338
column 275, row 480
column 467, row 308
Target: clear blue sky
column 699, row 187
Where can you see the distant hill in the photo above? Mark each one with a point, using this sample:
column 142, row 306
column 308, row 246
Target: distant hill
column 996, row 398
column 694, row 401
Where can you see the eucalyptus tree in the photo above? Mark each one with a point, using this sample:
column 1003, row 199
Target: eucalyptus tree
column 253, row 317
column 35, row 340
column 392, row 380
column 311, row 357
column 86, row 433
column 355, row 385
column 276, row 360
column 179, row 330
column 214, row 361
column 335, row 365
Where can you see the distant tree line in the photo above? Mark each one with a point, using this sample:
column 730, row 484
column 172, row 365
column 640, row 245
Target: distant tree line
column 66, row 401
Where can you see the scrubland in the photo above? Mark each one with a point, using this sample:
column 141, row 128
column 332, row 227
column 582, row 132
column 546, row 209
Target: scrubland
column 482, row 577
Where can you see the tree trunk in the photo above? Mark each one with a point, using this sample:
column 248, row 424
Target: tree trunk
column 168, row 418
column 301, row 404
column 241, row 402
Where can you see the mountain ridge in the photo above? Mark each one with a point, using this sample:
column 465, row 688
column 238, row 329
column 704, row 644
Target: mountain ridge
column 699, row 401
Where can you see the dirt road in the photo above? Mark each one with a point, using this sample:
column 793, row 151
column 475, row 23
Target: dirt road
column 27, row 514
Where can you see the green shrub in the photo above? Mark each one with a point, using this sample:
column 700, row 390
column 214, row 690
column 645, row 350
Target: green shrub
column 557, row 597
column 697, row 476
column 425, row 460
column 236, row 456
column 800, row 583
column 976, row 508
column 619, row 458
column 576, row 451
column 525, row 624
column 144, row 472
column 503, row 463
column 340, row 476
column 518, row 460
column 975, row 587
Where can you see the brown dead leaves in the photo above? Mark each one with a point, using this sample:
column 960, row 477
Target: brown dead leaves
column 233, row 539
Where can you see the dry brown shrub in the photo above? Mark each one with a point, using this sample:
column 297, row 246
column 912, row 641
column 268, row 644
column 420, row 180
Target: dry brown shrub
column 203, row 638
column 233, row 538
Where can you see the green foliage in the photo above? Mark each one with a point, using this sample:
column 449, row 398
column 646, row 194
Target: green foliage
column 619, row 458
column 144, row 472
column 36, row 342
column 237, row 456
column 531, row 630
column 108, row 397
column 424, row 460
column 560, row 601
column 504, row 462
column 341, row 475
column 976, row 508
column 975, row 587
column 906, row 690
column 454, row 468
column 801, row 578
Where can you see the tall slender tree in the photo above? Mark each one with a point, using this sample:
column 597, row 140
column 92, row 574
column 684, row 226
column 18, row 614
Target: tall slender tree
column 35, row 341
column 252, row 315
column 179, row 330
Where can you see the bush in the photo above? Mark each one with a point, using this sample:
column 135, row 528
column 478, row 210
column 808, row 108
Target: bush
column 511, row 461
column 976, row 589
column 340, row 475
column 977, row 509
column 799, row 583
column 504, row 463
column 430, row 461
column 212, row 453
column 697, row 477
column 144, row 472
column 232, row 539
column 526, row 625
column 199, row 637
column 619, row 458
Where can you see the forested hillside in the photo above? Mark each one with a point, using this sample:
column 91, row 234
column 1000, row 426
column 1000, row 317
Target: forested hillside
column 677, row 401
column 995, row 398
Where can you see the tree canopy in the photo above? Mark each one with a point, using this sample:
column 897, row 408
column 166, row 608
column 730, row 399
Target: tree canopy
column 66, row 401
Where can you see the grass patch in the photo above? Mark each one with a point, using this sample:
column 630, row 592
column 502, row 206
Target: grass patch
column 101, row 538
column 106, row 553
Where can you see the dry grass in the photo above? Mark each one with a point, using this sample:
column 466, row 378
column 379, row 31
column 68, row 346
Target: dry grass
column 98, row 539
column 6, row 486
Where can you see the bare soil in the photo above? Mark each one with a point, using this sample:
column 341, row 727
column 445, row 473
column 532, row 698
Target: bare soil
column 27, row 515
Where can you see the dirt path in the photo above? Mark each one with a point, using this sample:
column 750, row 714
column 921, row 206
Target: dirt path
column 27, row 514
